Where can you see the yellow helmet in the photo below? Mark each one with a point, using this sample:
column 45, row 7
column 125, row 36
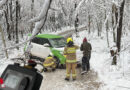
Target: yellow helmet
column 69, row 39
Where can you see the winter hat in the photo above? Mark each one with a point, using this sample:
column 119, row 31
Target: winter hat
column 85, row 39
column 32, row 63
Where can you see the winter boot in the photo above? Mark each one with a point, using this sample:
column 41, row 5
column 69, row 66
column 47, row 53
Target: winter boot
column 74, row 79
column 67, row 79
column 83, row 72
column 53, row 69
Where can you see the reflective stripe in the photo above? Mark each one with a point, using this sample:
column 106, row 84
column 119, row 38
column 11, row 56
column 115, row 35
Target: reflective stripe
column 67, row 75
column 49, row 58
column 71, row 61
column 73, row 75
column 46, row 65
column 71, row 50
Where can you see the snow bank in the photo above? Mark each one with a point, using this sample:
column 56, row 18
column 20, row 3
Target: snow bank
column 114, row 77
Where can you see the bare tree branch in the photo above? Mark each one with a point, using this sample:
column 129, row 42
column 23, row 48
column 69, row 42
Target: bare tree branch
column 78, row 7
column 63, row 9
column 42, row 13
column 2, row 3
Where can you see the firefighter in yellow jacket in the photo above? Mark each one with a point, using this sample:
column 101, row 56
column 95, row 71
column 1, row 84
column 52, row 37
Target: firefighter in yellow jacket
column 49, row 63
column 70, row 52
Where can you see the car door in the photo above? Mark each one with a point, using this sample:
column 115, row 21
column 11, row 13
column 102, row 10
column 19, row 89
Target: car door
column 39, row 50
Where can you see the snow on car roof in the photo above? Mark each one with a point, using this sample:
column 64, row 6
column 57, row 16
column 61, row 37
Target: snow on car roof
column 47, row 36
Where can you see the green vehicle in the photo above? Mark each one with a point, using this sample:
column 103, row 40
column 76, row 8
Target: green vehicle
column 44, row 45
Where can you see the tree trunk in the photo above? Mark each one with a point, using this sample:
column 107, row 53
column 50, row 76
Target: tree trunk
column 2, row 35
column 8, row 26
column 32, row 10
column 107, row 28
column 6, row 12
column 89, row 23
column 98, row 28
column 119, row 28
column 76, row 24
column 16, row 27
column 11, row 18
column 114, row 20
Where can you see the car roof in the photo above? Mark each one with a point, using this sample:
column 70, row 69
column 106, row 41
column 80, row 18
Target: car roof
column 48, row 36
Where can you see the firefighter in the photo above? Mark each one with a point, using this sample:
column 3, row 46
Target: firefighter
column 49, row 63
column 70, row 52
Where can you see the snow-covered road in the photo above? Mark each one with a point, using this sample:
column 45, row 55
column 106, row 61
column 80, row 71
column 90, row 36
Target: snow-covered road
column 90, row 81
column 55, row 81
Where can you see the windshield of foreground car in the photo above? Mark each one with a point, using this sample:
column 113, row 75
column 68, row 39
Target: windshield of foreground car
column 58, row 42
column 12, row 81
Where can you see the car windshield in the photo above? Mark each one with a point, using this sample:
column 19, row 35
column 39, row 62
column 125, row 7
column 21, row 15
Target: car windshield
column 58, row 42
column 40, row 41
column 12, row 81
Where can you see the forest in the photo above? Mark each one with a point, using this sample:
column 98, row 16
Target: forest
column 105, row 23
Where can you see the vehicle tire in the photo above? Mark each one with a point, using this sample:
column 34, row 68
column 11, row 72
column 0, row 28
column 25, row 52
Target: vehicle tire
column 58, row 65
column 62, row 66
column 57, row 62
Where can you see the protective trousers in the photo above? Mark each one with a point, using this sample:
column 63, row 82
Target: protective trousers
column 85, row 64
column 71, row 67
column 53, row 66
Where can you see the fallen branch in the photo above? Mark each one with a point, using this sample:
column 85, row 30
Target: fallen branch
column 42, row 14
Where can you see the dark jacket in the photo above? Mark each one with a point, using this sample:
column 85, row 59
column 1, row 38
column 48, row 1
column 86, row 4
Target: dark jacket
column 86, row 48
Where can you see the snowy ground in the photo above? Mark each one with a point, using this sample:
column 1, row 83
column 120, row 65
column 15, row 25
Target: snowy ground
column 112, row 77
column 103, row 76
column 55, row 81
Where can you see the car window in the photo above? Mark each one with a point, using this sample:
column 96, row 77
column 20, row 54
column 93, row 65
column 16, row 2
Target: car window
column 35, row 40
column 58, row 42
column 40, row 41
